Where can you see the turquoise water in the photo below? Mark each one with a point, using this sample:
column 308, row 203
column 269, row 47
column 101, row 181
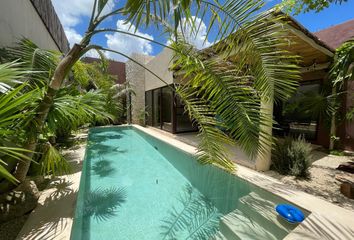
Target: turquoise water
column 134, row 186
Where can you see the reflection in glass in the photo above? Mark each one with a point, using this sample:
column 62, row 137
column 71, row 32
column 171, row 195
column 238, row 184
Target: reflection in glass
column 167, row 100
column 156, row 110
column 294, row 117
column 148, row 107
column 183, row 122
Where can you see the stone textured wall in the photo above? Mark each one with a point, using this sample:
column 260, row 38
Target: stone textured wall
column 135, row 75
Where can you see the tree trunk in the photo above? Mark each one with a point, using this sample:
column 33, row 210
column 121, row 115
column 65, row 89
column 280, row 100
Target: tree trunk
column 39, row 120
column 333, row 129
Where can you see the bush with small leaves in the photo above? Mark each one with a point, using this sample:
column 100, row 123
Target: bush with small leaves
column 292, row 157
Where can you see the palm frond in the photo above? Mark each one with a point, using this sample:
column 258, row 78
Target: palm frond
column 11, row 74
column 32, row 58
column 245, row 68
column 15, row 153
column 53, row 162
column 122, row 89
column 342, row 68
column 14, row 106
column 74, row 111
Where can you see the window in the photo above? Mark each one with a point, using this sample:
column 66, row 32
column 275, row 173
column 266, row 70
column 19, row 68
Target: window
column 166, row 111
column 183, row 122
column 294, row 117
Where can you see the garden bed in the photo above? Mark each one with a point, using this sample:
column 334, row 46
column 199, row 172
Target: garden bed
column 323, row 181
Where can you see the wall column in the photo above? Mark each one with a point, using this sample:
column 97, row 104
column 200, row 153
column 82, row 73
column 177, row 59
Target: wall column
column 263, row 161
column 135, row 75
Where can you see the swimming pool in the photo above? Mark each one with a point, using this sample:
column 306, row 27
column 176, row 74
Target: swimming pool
column 135, row 186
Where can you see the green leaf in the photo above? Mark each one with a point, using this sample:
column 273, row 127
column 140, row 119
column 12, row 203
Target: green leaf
column 101, row 5
column 4, row 173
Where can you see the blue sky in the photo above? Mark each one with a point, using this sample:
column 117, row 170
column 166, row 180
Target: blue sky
column 74, row 15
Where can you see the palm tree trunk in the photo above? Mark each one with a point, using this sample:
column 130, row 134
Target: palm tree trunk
column 60, row 72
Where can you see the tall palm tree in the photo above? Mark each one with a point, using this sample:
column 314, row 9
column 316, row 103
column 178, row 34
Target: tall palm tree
column 243, row 72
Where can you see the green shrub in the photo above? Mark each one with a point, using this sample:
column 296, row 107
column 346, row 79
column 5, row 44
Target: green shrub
column 292, row 157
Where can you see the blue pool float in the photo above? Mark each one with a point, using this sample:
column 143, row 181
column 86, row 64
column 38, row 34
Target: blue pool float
column 290, row 213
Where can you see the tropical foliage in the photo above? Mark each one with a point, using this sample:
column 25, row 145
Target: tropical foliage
column 297, row 7
column 342, row 68
column 23, row 83
column 236, row 79
column 12, row 113
column 327, row 103
column 341, row 72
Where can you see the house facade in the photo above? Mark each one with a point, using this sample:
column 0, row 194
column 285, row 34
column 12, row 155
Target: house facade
column 165, row 111
column 33, row 19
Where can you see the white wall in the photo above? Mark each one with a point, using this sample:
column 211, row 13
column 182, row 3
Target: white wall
column 160, row 66
column 18, row 18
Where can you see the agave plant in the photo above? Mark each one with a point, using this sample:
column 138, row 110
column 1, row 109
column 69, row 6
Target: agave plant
column 242, row 74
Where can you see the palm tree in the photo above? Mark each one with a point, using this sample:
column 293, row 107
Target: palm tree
column 240, row 75
column 342, row 70
column 22, row 83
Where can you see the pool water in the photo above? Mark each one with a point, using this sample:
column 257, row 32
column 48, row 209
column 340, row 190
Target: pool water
column 134, row 186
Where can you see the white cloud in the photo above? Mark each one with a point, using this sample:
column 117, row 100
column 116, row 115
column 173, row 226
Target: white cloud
column 70, row 12
column 93, row 54
column 128, row 44
column 73, row 36
column 198, row 39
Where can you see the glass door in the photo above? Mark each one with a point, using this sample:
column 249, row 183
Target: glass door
column 156, row 108
column 166, row 108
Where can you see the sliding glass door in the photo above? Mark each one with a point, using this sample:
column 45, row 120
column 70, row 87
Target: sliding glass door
column 166, row 111
column 156, row 108
column 166, row 108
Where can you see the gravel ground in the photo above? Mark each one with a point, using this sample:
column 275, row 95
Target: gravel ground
column 322, row 181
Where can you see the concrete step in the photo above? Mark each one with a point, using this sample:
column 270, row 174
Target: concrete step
column 263, row 212
column 239, row 226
